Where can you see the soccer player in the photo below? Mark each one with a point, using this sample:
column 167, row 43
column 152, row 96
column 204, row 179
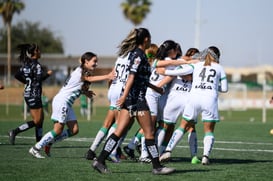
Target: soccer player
column 177, row 99
column 133, row 103
column 62, row 112
column 121, row 69
column 32, row 75
column 209, row 78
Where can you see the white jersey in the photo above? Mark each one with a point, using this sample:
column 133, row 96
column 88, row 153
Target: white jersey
column 152, row 97
column 122, row 72
column 62, row 102
column 71, row 89
column 207, row 81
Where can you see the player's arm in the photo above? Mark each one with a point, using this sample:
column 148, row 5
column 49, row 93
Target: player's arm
column 98, row 78
column 165, row 63
column 223, row 87
column 160, row 90
column 20, row 76
column 180, row 71
column 128, row 85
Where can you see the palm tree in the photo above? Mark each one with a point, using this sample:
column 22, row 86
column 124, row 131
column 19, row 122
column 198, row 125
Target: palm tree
column 136, row 10
column 7, row 10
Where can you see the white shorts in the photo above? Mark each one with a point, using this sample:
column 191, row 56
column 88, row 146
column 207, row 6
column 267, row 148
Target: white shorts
column 161, row 105
column 114, row 94
column 174, row 106
column 206, row 106
column 61, row 112
column 152, row 99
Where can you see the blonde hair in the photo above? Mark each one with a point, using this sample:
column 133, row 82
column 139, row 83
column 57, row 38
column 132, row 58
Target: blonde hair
column 212, row 54
column 128, row 44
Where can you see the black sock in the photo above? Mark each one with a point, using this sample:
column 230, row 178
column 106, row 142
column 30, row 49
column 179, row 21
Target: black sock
column 108, row 147
column 24, row 127
column 39, row 132
column 153, row 152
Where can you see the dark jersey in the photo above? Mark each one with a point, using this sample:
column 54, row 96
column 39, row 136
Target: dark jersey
column 140, row 67
column 31, row 74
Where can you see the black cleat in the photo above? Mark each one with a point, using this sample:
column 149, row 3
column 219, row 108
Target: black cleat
column 90, row 155
column 12, row 137
column 101, row 168
column 129, row 152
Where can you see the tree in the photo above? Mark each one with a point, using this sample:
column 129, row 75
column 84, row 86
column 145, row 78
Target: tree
column 27, row 32
column 136, row 10
column 7, row 10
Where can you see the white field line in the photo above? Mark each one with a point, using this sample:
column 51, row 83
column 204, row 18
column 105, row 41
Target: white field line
column 90, row 140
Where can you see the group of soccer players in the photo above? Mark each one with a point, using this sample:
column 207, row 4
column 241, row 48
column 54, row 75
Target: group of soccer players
column 154, row 85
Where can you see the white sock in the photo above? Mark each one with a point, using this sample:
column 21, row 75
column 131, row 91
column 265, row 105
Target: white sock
column 65, row 134
column 192, row 140
column 132, row 142
column 208, row 143
column 111, row 130
column 160, row 137
column 47, row 138
column 99, row 137
column 176, row 137
column 114, row 152
column 144, row 151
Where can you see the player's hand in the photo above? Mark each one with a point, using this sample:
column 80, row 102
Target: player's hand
column 49, row 72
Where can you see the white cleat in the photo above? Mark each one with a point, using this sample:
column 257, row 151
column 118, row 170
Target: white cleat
column 163, row 171
column 205, row 160
column 35, row 153
column 165, row 157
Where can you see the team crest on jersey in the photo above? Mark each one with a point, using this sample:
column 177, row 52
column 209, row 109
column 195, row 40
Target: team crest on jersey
column 136, row 62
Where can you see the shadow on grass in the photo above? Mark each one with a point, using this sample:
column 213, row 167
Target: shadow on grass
column 222, row 161
column 176, row 172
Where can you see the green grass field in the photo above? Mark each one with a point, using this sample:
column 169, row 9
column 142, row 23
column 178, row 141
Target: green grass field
column 243, row 151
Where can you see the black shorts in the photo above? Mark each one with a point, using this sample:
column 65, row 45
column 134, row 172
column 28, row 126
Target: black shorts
column 34, row 103
column 134, row 106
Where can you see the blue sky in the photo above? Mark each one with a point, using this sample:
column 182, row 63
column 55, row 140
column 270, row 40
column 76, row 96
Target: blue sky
column 242, row 29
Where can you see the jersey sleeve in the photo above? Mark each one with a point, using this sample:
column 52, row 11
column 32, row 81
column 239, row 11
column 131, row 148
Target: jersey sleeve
column 20, row 76
column 180, row 70
column 223, row 87
column 134, row 63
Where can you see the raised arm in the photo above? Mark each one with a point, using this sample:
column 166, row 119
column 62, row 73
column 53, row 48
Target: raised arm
column 98, row 78
column 179, row 71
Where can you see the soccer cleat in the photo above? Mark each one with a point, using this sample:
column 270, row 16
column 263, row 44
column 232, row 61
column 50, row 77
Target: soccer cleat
column 138, row 149
column 195, row 160
column 205, row 160
column 165, row 157
column 47, row 150
column 145, row 160
column 90, row 155
column 12, row 137
column 114, row 158
column 163, row 171
column 120, row 155
column 100, row 167
column 129, row 152
column 36, row 153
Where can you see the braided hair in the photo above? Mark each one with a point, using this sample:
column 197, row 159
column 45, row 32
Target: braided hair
column 85, row 71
